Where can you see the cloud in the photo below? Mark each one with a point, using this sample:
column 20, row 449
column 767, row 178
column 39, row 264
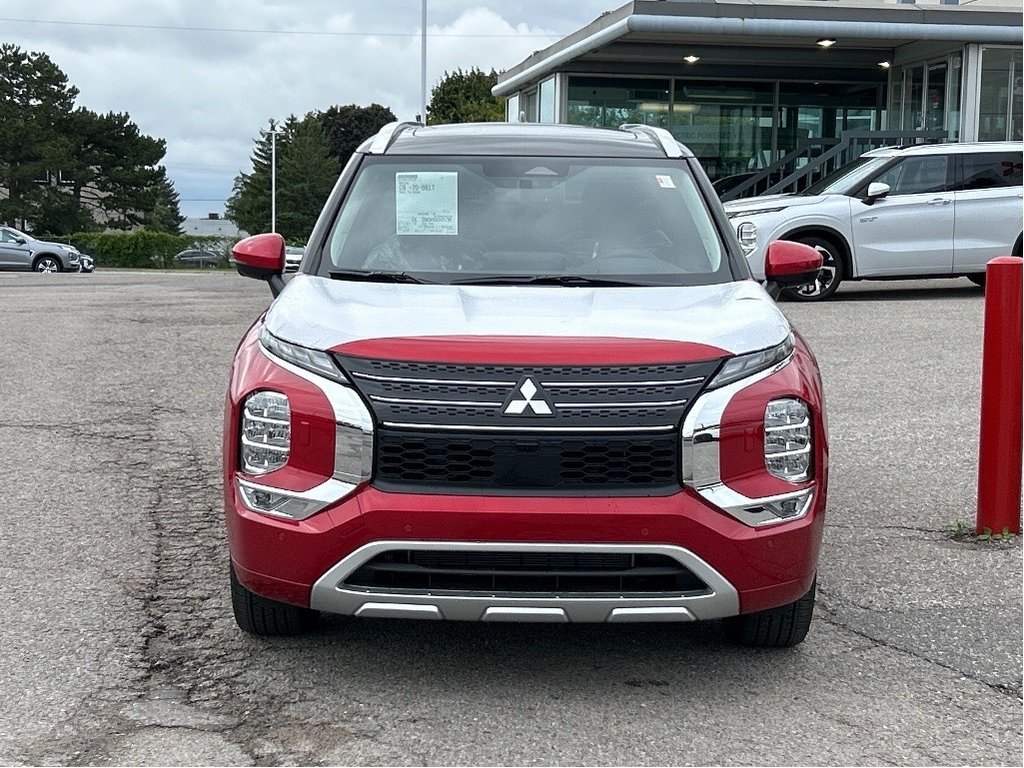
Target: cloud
column 207, row 93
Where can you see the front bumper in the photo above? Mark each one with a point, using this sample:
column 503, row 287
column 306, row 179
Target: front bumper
column 306, row 562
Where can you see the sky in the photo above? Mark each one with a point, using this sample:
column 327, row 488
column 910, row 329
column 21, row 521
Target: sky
column 206, row 75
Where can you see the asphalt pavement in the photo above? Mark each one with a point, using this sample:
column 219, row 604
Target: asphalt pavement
column 117, row 643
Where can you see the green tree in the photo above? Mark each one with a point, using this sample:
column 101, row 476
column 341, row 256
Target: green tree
column 346, row 127
column 35, row 96
column 249, row 204
column 306, row 172
column 165, row 215
column 310, row 154
column 465, row 97
column 71, row 170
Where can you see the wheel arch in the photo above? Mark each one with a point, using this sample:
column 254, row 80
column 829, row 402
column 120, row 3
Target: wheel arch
column 1018, row 246
column 833, row 236
column 37, row 256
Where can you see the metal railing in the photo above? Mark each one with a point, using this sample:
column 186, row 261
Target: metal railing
column 822, row 156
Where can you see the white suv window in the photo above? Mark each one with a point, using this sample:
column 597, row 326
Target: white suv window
column 985, row 170
column 916, row 175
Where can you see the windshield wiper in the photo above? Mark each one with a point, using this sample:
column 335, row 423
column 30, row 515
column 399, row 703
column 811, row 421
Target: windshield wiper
column 375, row 277
column 570, row 280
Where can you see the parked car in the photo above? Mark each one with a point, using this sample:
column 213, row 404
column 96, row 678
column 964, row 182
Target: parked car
column 524, row 375
column 21, row 251
column 293, row 257
column 937, row 210
column 198, row 258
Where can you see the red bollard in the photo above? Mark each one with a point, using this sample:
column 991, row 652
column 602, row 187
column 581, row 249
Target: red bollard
column 1002, row 398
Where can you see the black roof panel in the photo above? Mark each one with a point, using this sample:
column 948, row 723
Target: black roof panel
column 523, row 139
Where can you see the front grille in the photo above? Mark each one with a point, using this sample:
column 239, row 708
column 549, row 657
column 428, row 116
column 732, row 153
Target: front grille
column 587, row 428
column 525, row 573
column 547, row 462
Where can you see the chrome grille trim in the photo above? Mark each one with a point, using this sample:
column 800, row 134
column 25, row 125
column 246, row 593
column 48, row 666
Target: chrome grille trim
column 515, row 427
column 416, row 401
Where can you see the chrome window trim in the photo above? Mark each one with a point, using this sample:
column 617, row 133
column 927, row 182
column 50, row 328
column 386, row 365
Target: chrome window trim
column 329, row 593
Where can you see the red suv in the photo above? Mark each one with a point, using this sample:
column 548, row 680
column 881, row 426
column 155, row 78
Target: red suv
column 523, row 374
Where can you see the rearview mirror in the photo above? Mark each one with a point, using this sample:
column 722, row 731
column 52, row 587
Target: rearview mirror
column 261, row 257
column 876, row 191
column 788, row 264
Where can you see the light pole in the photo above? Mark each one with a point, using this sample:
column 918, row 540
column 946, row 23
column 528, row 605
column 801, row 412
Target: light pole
column 423, row 65
column 273, row 177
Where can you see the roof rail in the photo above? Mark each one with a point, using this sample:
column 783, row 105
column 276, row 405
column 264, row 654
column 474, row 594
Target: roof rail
column 660, row 136
column 387, row 134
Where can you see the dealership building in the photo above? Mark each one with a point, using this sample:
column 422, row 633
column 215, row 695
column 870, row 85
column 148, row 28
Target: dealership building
column 770, row 91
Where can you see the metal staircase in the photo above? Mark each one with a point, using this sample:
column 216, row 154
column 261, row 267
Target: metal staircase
column 814, row 158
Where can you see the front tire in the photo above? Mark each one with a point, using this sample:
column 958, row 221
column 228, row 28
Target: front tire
column 781, row 627
column 268, row 618
column 46, row 265
column 828, row 279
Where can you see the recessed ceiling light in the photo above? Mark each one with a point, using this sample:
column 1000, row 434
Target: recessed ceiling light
column 826, row 42
column 691, row 59
column 884, row 64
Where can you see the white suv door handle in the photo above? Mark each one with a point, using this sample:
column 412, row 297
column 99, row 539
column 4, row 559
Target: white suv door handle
column 939, row 201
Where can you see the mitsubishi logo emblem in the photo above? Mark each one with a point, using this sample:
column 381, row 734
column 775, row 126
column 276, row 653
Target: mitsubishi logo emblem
column 527, row 399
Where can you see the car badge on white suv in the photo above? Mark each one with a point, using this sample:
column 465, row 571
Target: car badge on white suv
column 527, row 399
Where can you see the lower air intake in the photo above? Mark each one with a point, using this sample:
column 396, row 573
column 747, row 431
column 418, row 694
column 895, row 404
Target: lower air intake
column 525, row 573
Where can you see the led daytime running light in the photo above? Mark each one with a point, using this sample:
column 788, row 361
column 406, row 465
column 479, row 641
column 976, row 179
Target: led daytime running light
column 312, row 360
column 741, row 366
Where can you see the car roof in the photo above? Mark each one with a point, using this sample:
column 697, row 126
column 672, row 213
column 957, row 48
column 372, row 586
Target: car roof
column 946, row 149
column 525, row 139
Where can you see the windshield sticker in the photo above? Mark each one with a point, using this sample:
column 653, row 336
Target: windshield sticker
column 427, row 203
column 665, row 182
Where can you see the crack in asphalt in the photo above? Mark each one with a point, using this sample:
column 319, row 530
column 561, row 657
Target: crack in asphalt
column 830, row 618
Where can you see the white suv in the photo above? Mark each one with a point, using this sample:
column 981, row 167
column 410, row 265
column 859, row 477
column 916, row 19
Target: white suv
column 937, row 210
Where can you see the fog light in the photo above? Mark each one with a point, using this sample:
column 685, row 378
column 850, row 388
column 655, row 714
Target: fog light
column 280, row 503
column 266, row 432
column 787, row 440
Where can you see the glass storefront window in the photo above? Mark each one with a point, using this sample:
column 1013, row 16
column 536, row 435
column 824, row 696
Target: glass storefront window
column 528, row 106
column 999, row 106
column 728, row 126
column 546, row 104
column 512, row 109
column 608, row 102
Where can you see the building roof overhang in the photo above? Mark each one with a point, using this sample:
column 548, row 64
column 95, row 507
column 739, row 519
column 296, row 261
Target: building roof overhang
column 645, row 30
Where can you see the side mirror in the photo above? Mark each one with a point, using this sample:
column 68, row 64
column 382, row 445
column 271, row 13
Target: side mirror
column 876, row 191
column 789, row 264
column 20, row 240
column 261, row 257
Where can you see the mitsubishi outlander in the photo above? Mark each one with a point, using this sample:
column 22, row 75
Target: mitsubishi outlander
column 524, row 374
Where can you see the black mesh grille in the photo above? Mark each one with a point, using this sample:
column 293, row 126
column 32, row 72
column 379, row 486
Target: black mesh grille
column 473, row 462
column 526, row 573
column 453, row 427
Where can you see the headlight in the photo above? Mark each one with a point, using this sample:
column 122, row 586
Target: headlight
column 266, row 432
column 310, row 359
column 741, row 366
column 747, row 234
column 787, row 439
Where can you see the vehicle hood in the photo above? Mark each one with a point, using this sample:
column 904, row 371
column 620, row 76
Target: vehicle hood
column 37, row 244
column 322, row 313
column 774, row 202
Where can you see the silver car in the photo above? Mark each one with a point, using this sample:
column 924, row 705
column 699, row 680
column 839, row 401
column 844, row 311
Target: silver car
column 21, row 251
column 936, row 210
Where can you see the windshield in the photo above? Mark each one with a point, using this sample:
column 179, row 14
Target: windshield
column 845, row 179
column 542, row 220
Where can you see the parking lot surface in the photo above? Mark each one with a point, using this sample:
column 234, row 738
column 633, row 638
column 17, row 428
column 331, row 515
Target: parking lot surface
column 118, row 645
